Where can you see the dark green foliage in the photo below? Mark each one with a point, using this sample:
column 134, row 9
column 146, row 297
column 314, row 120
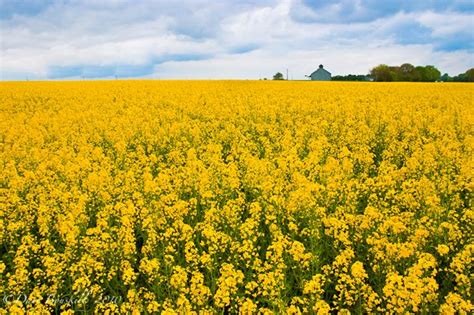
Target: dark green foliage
column 381, row 73
column 406, row 72
column 467, row 76
column 351, row 77
column 278, row 76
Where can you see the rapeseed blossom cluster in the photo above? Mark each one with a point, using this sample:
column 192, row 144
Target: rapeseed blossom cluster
column 201, row 197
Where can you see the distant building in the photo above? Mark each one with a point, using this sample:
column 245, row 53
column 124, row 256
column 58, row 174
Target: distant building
column 320, row 75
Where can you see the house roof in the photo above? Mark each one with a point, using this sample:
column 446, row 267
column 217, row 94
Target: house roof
column 320, row 70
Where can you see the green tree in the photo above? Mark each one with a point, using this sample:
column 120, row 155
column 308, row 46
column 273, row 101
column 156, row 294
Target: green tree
column 462, row 77
column 278, row 76
column 470, row 75
column 418, row 74
column 394, row 73
column 430, row 74
column 446, row 78
column 381, row 73
column 406, row 72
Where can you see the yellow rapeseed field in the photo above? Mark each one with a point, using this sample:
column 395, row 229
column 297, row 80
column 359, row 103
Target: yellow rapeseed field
column 212, row 197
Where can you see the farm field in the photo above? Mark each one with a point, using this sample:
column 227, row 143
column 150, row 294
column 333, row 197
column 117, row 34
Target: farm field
column 214, row 197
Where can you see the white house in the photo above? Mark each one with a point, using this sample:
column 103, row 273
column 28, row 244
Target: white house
column 320, row 75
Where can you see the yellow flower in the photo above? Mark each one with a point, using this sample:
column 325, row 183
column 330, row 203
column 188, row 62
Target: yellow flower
column 442, row 249
column 179, row 279
column 456, row 304
column 206, row 197
column 248, row 307
column 322, row 308
column 2, row 267
column 228, row 285
column 358, row 271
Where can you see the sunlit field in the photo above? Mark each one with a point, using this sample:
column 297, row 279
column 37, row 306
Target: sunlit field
column 212, row 197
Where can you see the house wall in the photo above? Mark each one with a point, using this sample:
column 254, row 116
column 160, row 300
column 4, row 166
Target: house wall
column 321, row 76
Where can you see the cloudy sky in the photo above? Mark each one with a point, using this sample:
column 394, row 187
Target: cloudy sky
column 234, row 39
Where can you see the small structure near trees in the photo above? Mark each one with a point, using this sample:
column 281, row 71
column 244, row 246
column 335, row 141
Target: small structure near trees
column 320, row 74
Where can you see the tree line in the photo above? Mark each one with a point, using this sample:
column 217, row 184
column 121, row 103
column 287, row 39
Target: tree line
column 406, row 73
column 467, row 76
column 351, row 77
column 410, row 73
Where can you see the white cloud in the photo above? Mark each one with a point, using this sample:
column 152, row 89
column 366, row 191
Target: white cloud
column 121, row 32
column 261, row 63
column 447, row 23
